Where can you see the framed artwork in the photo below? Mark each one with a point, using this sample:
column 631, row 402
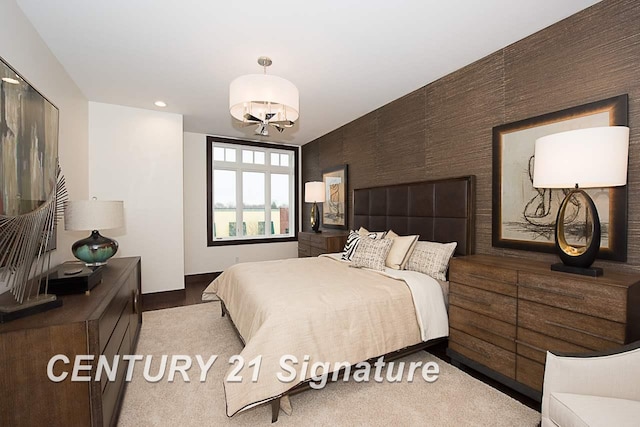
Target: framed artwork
column 32, row 191
column 524, row 217
column 334, row 207
column 29, row 141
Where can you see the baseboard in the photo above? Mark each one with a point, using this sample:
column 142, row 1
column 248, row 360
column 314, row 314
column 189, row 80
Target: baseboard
column 176, row 293
column 197, row 279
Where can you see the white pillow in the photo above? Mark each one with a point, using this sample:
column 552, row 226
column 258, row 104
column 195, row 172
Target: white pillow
column 431, row 258
column 400, row 250
column 378, row 234
column 371, row 253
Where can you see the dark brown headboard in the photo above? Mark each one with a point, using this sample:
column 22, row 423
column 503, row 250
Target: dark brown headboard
column 439, row 211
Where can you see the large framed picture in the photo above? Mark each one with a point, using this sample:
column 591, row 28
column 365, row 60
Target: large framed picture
column 524, row 217
column 29, row 145
column 334, row 208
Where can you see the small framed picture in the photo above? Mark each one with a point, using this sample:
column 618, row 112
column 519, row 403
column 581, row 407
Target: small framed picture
column 334, row 208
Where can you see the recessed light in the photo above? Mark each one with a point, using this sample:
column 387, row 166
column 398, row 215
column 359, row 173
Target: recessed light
column 160, row 104
column 10, row 80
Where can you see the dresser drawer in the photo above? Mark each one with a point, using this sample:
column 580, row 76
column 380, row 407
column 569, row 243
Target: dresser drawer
column 111, row 392
column 491, row 330
column 320, row 244
column 111, row 315
column 587, row 296
column 489, row 355
column 304, row 237
column 529, row 373
column 336, row 244
column 115, row 342
column 317, row 251
column 490, row 278
column 591, row 332
column 535, row 346
column 497, row 306
column 303, row 250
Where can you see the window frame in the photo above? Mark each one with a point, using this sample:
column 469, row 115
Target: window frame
column 211, row 240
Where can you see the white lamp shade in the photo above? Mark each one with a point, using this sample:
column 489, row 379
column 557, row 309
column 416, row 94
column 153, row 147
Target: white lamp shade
column 93, row 215
column 258, row 94
column 590, row 158
column 314, row 191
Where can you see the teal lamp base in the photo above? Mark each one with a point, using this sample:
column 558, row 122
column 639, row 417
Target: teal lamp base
column 95, row 250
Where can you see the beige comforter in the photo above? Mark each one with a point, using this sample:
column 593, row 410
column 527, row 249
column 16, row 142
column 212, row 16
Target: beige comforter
column 316, row 307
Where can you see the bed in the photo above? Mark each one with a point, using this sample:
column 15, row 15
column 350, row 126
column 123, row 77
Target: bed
column 302, row 318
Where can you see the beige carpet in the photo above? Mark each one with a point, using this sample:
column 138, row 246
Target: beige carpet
column 455, row 399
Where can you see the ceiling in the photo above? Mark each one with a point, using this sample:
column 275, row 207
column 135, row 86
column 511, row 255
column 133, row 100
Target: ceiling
column 346, row 57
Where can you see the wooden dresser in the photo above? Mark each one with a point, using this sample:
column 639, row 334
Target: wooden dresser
column 314, row 244
column 505, row 313
column 105, row 322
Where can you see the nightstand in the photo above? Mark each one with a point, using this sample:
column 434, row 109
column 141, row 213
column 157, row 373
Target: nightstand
column 314, row 244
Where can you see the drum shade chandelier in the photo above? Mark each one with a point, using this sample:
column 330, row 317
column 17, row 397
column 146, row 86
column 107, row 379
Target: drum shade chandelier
column 264, row 100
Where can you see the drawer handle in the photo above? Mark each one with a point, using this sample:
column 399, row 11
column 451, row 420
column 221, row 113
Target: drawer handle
column 136, row 301
column 482, row 328
column 571, row 328
column 530, row 346
column 552, row 291
column 466, row 298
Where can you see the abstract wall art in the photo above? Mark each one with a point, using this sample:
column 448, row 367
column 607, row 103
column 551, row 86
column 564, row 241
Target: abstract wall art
column 524, row 217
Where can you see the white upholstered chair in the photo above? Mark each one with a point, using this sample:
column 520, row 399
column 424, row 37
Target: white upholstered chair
column 600, row 389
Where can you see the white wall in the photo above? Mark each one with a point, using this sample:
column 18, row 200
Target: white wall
column 23, row 49
column 135, row 155
column 198, row 258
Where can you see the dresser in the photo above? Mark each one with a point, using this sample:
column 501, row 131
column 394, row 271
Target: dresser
column 314, row 244
column 505, row 313
column 105, row 321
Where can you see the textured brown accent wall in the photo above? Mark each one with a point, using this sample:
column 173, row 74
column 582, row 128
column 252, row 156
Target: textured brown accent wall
column 444, row 129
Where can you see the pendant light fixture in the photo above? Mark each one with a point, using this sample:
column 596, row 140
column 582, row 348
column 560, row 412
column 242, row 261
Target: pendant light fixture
column 264, row 100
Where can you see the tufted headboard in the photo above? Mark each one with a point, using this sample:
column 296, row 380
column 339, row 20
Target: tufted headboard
column 439, row 211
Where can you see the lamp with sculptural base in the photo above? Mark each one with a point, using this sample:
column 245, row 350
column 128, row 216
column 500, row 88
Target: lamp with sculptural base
column 94, row 215
column 583, row 158
column 313, row 193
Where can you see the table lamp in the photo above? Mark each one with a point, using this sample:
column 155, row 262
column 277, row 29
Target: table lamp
column 313, row 193
column 94, row 215
column 585, row 158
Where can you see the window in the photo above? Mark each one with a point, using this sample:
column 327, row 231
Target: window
column 252, row 192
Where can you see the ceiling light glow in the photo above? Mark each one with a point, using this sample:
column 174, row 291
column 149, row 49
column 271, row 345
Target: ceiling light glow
column 10, row 80
column 160, row 104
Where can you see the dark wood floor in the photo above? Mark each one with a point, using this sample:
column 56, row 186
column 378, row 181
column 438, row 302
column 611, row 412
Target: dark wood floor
column 193, row 292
